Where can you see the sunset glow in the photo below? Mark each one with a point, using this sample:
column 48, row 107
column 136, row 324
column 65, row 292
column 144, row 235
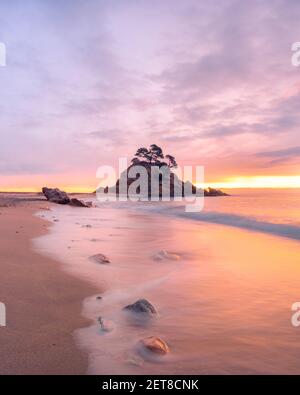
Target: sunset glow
column 258, row 182
column 176, row 75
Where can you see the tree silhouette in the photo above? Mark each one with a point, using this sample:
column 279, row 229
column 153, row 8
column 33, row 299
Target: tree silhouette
column 153, row 156
column 171, row 162
column 135, row 161
column 155, row 153
column 143, row 153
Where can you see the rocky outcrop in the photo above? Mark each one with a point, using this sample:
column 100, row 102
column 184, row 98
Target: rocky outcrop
column 55, row 195
column 78, row 203
column 214, row 192
column 155, row 345
column 141, row 307
column 167, row 183
column 100, row 258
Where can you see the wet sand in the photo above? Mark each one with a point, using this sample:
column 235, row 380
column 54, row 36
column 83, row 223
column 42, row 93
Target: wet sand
column 223, row 307
column 43, row 303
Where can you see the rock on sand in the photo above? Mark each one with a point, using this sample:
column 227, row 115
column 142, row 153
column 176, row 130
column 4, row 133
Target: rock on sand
column 141, row 306
column 100, row 258
column 162, row 255
column 154, row 344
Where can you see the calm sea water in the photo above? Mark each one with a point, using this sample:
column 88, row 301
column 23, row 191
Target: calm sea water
column 273, row 205
column 225, row 304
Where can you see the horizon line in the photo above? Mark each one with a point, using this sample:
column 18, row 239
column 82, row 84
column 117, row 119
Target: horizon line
column 247, row 182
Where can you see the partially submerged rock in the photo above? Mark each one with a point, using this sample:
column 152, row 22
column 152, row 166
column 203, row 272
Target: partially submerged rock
column 141, row 306
column 100, row 258
column 78, row 203
column 155, row 345
column 161, row 255
column 214, row 192
column 55, row 195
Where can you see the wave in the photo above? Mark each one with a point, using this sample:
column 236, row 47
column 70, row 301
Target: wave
column 277, row 229
column 235, row 220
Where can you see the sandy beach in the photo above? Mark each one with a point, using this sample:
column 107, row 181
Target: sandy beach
column 224, row 301
column 43, row 304
column 222, row 307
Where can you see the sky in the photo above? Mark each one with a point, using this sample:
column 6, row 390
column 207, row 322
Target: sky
column 89, row 81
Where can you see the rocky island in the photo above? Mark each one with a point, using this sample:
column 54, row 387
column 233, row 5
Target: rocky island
column 151, row 175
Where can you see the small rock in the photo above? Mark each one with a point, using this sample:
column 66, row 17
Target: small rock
column 100, row 258
column 155, row 345
column 105, row 325
column 161, row 255
column 141, row 306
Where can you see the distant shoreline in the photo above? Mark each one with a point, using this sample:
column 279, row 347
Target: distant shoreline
column 92, row 192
